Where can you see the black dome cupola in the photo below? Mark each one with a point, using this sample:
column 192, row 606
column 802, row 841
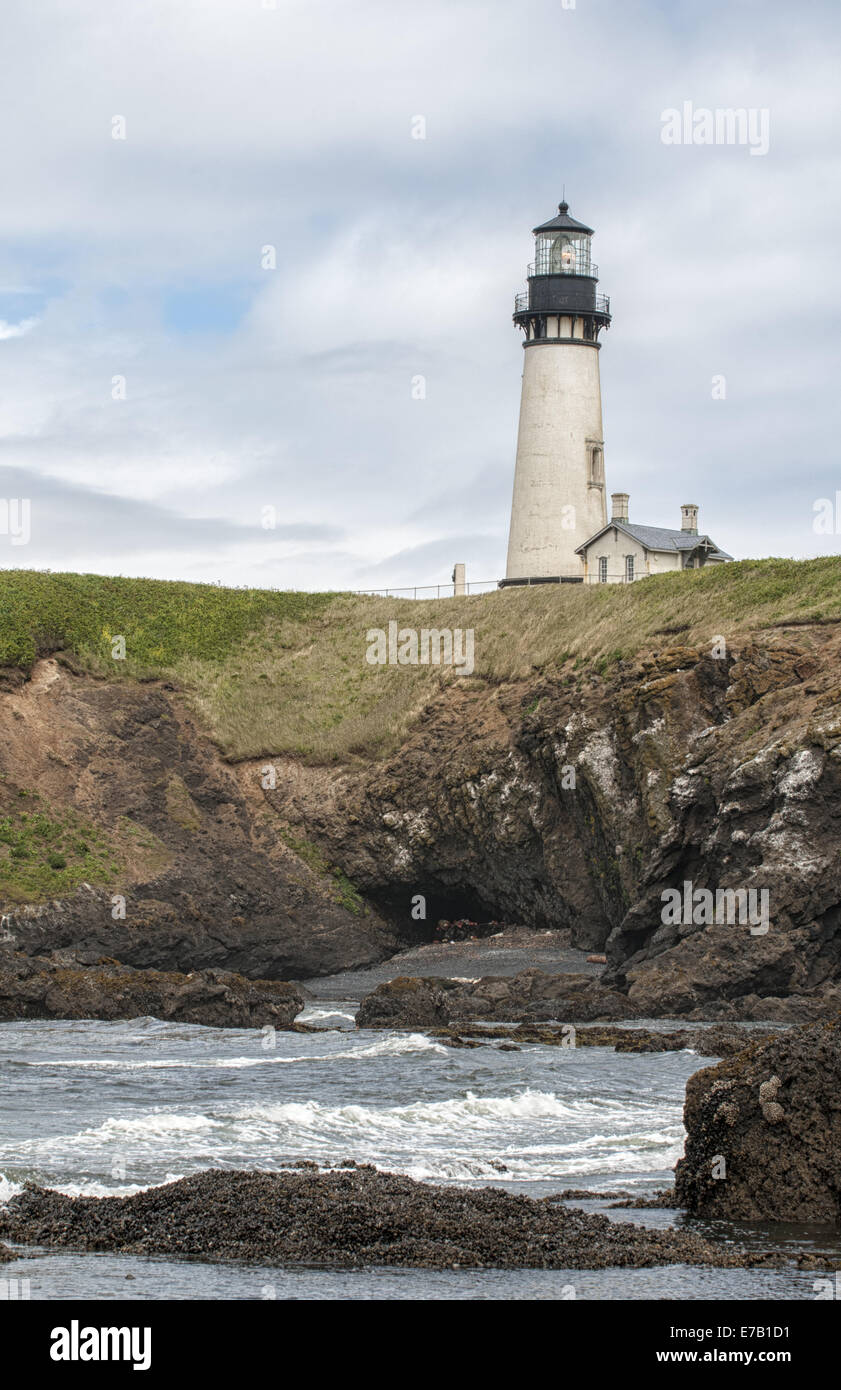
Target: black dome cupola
column 562, row 280
column 563, row 221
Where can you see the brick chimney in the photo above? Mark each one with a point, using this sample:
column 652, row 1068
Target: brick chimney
column 619, row 506
column 689, row 518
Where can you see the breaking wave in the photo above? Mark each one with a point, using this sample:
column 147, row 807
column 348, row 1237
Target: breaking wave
column 383, row 1047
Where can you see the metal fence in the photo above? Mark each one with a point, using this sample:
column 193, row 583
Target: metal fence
column 488, row 586
column 522, row 304
column 474, row 586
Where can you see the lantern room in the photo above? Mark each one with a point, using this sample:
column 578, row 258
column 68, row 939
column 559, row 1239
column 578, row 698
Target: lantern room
column 562, row 279
column 562, row 246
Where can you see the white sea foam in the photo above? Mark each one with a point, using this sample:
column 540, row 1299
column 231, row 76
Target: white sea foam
column 314, row 1015
column 155, row 1124
column 89, row 1188
column 391, row 1045
column 401, row 1101
column 471, row 1111
column 8, row 1189
column 395, row 1045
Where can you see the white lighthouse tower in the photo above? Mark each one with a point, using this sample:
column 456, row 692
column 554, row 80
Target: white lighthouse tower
column 559, row 487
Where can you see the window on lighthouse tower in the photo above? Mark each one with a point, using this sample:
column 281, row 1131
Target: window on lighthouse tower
column 562, row 256
column 563, row 253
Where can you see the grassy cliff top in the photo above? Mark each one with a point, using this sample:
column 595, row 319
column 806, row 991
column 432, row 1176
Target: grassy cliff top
column 274, row 672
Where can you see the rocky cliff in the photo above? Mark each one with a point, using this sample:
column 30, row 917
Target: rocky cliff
column 191, row 870
column 566, row 801
column 577, row 801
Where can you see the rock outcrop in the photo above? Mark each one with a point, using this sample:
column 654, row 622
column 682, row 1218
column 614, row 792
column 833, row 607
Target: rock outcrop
column 63, row 986
column 764, row 1131
column 577, row 802
column 721, row 1040
column 532, row 996
column 409, row 1002
column 573, row 802
column 207, row 879
column 348, row 1219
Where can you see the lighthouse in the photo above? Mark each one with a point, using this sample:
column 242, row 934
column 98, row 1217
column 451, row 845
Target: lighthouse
column 559, row 484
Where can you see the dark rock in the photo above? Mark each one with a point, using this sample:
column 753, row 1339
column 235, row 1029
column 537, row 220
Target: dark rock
column 61, row 987
column 718, row 971
column 534, row 996
column 658, row 1201
column 350, row 1218
column 773, row 1113
column 209, row 882
column 725, row 773
column 707, row 1042
column 722, row 772
column 406, row 1002
column 428, row 1002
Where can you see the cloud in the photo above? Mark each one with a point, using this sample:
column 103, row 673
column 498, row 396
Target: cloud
column 397, row 259
column 95, row 530
column 16, row 330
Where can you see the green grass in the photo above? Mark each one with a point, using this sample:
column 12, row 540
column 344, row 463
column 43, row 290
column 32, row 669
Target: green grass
column 162, row 622
column 272, row 673
column 344, row 892
column 46, row 853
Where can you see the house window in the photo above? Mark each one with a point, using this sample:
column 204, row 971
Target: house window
column 602, row 569
column 629, row 569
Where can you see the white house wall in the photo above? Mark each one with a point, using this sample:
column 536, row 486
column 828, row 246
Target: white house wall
column 615, row 545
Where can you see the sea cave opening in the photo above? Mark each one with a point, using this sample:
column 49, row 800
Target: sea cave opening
column 416, row 913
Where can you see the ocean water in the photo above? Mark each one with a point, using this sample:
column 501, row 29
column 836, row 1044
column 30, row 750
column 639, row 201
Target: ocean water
column 109, row 1108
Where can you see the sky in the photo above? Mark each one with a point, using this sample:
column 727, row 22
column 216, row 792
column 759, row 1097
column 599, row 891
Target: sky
column 213, row 326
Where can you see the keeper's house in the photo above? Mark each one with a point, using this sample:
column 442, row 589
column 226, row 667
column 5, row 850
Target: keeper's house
column 621, row 552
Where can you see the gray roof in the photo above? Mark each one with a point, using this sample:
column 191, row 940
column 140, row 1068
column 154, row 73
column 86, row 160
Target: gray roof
column 660, row 538
column 563, row 223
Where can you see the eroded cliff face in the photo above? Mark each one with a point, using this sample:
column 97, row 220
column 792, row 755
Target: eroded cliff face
column 208, row 882
column 571, row 802
column 575, row 803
